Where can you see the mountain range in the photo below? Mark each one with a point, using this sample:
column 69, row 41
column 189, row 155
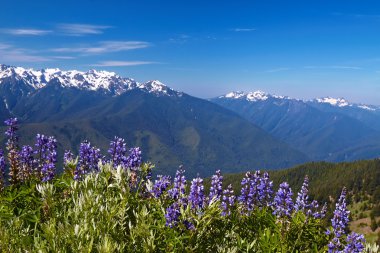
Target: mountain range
column 330, row 129
column 171, row 127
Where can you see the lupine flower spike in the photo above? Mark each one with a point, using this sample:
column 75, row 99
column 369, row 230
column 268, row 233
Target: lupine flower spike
column 339, row 223
column 26, row 162
column 134, row 158
column 228, row 200
column 302, row 201
column 46, row 152
column 118, row 151
column 216, row 187
column 265, row 191
column 244, row 198
column 178, row 189
column 196, row 196
column 2, row 170
column 67, row 157
column 172, row 214
column 12, row 147
column 283, row 204
column 160, row 185
column 355, row 243
column 89, row 158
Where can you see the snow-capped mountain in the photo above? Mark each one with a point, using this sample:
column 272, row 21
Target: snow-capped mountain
column 107, row 82
column 251, row 96
column 258, row 95
column 343, row 103
column 324, row 128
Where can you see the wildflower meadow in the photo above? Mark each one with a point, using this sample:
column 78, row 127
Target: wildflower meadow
column 112, row 203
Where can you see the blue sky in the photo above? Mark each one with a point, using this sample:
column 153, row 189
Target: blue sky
column 302, row 49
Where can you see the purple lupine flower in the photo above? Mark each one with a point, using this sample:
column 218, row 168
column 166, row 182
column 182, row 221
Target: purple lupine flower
column 189, row 225
column 323, row 212
column 339, row 223
column 228, row 200
column 48, row 170
column 244, row 198
column 2, row 170
column 216, row 186
column 160, row 185
column 302, row 201
column 134, row 158
column 118, row 151
column 254, row 193
column 12, row 141
column 303, row 204
column 172, row 214
column 46, row 152
column 40, row 152
column 148, row 175
column 26, row 162
column 196, row 196
column 67, row 157
column 355, row 243
column 89, row 158
column 12, row 147
column 178, row 189
column 313, row 210
column 95, row 157
column 283, row 204
column 265, row 191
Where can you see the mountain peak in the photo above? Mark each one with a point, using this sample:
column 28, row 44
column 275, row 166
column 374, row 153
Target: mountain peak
column 94, row 80
column 257, row 95
column 251, row 96
column 234, row 94
column 158, row 88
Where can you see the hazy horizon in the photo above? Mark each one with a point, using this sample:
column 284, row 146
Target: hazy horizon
column 298, row 49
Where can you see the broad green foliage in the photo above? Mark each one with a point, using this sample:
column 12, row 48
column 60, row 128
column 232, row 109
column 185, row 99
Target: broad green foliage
column 103, row 212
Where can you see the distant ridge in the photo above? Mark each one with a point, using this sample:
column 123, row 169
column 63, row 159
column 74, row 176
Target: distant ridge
column 259, row 95
column 331, row 129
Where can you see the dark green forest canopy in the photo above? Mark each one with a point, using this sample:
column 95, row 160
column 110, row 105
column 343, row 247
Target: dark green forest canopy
column 361, row 178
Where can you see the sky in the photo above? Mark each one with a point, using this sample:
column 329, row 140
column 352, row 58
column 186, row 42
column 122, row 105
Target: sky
column 302, row 49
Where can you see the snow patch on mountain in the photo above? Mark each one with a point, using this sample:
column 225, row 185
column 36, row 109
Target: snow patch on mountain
column 340, row 102
column 251, row 96
column 234, row 94
column 368, row 107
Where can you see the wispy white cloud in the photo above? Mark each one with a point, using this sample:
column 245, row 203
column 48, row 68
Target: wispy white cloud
column 63, row 29
column 13, row 54
column 181, row 38
column 277, row 70
column 366, row 15
column 333, row 67
column 357, row 15
column 122, row 63
column 26, row 32
column 243, row 29
column 81, row 29
column 104, row 47
column 64, row 57
column 9, row 53
column 4, row 46
column 185, row 38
